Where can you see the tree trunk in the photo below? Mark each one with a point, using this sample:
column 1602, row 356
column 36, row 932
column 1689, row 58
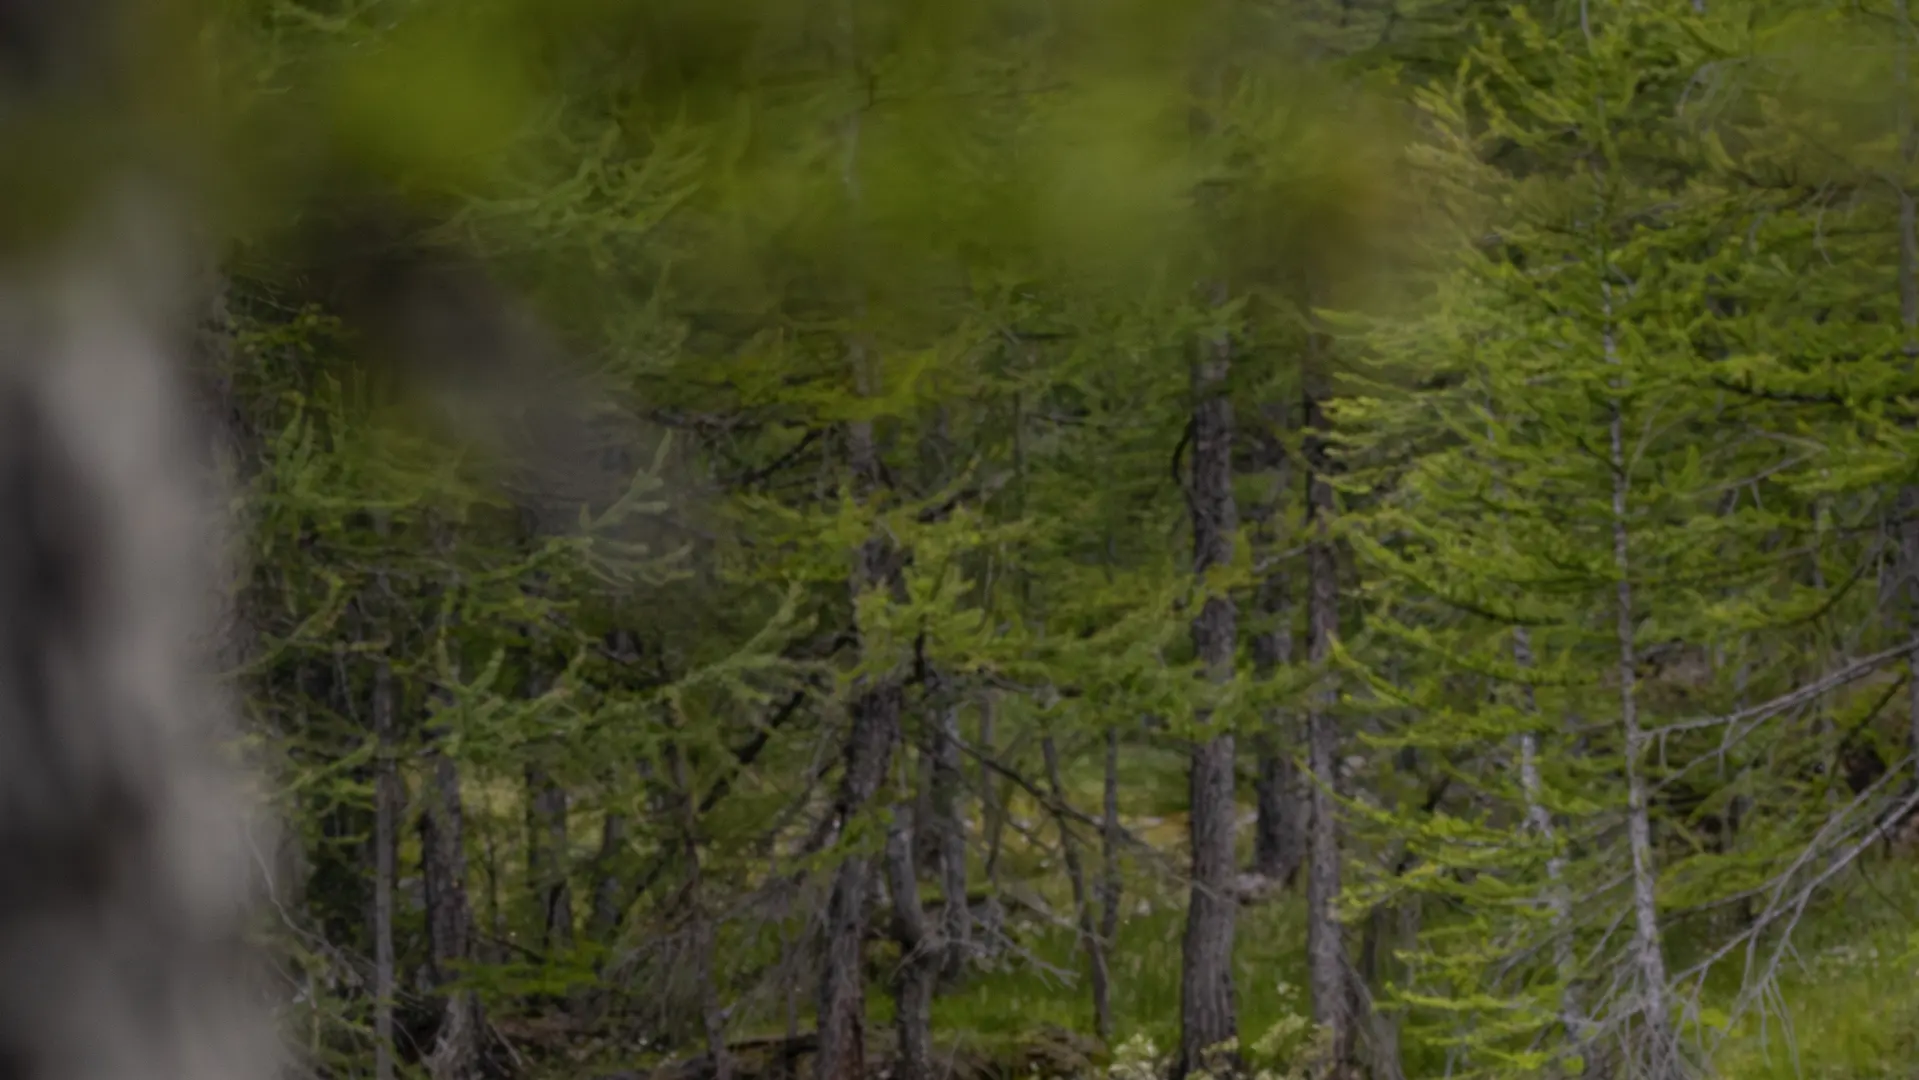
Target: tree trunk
column 607, row 906
column 868, row 753
column 950, row 827
column 920, row 953
column 126, row 835
column 1084, row 918
column 993, row 820
column 607, row 887
column 842, row 995
column 1661, row 1049
column 546, row 855
column 387, row 808
column 1109, row 836
column 1278, row 846
column 1383, row 1052
column 1279, row 822
column 387, row 798
column 1539, row 820
column 990, row 809
column 1208, row 1012
column 449, row 922
column 1278, row 850
column 1325, row 944
column 712, row 1020
column 790, row 990
column 604, row 917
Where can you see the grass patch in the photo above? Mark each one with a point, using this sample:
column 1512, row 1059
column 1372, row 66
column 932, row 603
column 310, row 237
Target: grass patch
column 1850, row 988
column 1023, row 997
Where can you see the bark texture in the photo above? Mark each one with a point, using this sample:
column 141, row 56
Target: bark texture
column 919, row 962
column 867, row 756
column 1325, row 938
column 1109, row 835
column 1208, row 1012
column 1539, row 819
column 1279, row 826
column 1659, row 1048
column 989, row 923
column 949, row 827
column 123, row 834
column 842, row 987
column 449, row 921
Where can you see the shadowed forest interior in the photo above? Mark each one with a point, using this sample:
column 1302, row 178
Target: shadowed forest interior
column 1064, row 538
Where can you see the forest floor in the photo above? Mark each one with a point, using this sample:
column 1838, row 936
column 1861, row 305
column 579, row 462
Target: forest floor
column 1845, row 1005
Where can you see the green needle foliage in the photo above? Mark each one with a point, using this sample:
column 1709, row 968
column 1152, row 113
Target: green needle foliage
column 627, row 401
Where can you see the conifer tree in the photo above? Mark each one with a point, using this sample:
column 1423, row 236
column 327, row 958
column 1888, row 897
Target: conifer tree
column 1558, row 485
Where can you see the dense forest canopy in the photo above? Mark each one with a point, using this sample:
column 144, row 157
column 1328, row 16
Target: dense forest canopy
column 1054, row 537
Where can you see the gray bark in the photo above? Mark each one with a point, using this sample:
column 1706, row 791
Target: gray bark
column 993, row 820
column 1279, row 835
column 1539, row 820
column 920, row 954
column 449, row 919
column 1325, row 943
column 122, row 830
column 1660, row 1046
column 1109, row 835
column 950, row 829
column 992, row 806
column 1208, row 1011
column 867, row 756
column 842, row 987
